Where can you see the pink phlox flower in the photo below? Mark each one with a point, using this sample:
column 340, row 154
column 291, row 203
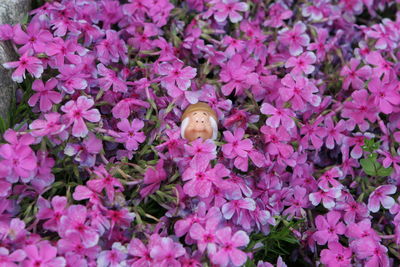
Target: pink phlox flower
column 218, row 104
column 233, row 46
column 153, row 178
column 276, row 141
column 238, row 74
column 381, row 196
column 237, row 205
column 52, row 211
column 61, row 51
column 297, row 202
column 35, row 39
column 277, row 13
column 280, row 116
column 6, row 32
column 173, row 142
column 8, row 259
column 142, row 34
column 25, row 63
column 357, row 141
column 122, row 218
column 229, row 8
column 362, row 107
column 360, row 231
column 114, row 257
column 390, row 160
column 13, row 231
column 385, row 94
column 126, row 106
column 92, row 33
column 177, row 80
column 353, row 211
column 17, row 159
column 302, row 63
column 334, row 133
column 299, row 90
column 109, row 79
column 77, row 111
column 313, row 133
column 239, row 118
column 201, row 151
column 105, row 181
column 373, row 252
column 385, row 37
column 200, row 180
column 326, row 196
column 75, row 221
column 354, row 76
column 237, row 149
column 328, row 228
column 45, row 94
column 140, row 252
column 327, row 178
column 42, row 254
column 112, row 48
column 50, row 125
column 85, row 152
column 44, row 175
column 228, row 251
column 336, row 255
column 321, row 45
column 166, row 251
column 295, row 38
column 160, row 13
column 382, row 66
column 72, row 78
column 130, row 135
column 73, row 245
column 205, row 234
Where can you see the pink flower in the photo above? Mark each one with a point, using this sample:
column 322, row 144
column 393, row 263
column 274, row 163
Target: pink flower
column 360, row 108
column 26, row 63
column 238, row 74
column 228, row 251
column 34, row 40
column 109, row 79
column 353, row 76
column 77, row 111
column 9, row 260
column 105, row 181
column 296, row 201
column 277, row 13
column 280, row 116
column 328, row 228
column 75, row 222
column 334, row 132
column 112, row 258
column 321, row 45
column 295, row 38
column 201, row 151
column 302, row 63
column 141, row 253
column 374, row 253
column 298, row 90
column 380, row 196
column 85, row 152
column 72, row 78
column 153, row 178
column 45, row 94
column 166, row 251
column 336, row 255
column 205, row 236
column 327, row 196
column 53, row 212
column 385, row 94
column 229, row 8
column 42, row 255
column 382, row 66
column 237, row 205
column 130, row 134
column 237, row 149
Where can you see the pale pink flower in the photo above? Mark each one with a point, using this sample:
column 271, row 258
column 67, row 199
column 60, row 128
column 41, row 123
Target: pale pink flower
column 229, row 8
column 336, row 255
column 280, row 116
column 51, row 212
column 105, row 181
column 380, row 196
column 166, row 252
column 26, row 63
column 328, row 228
column 8, row 259
column 42, row 255
column 45, row 94
column 112, row 258
column 326, row 196
column 237, row 149
column 130, row 135
column 51, row 125
column 302, row 63
column 295, row 38
column 353, row 76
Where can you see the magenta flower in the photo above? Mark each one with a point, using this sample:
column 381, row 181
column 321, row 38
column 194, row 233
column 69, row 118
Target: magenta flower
column 6, row 32
column 373, row 252
column 42, row 255
column 109, row 79
column 228, row 251
column 336, row 255
column 60, row 51
column 72, row 78
column 302, row 63
column 141, row 253
column 45, row 94
column 320, row 45
column 295, row 38
column 328, row 228
column 52, row 212
column 298, row 90
column 296, row 201
column 130, row 135
column 85, row 152
column 385, row 95
column 237, row 205
column 380, row 196
column 280, row 116
column 77, row 111
column 201, row 151
column 229, row 8
column 362, row 107
column 334, row 133
column 326, row 196
column 238, row 74
column 353, row 76
column 75, row 221
column 205, row 236
column 8, row 259
column 166, row 252
column 35, row 39
column 382, row 66
column 276, row 140
column 153, row 178
column 237, row 149
column 112, row 258
column 26, row 63
column 105, row 181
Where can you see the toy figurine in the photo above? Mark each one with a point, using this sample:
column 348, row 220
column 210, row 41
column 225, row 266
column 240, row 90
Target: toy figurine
column 199, row 120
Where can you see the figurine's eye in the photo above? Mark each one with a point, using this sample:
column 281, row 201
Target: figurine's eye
column 205, row 113
column 195, row 113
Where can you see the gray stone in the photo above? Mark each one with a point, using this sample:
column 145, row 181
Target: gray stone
column 11, row 12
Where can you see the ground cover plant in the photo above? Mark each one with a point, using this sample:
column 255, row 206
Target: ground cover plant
column 305, row 169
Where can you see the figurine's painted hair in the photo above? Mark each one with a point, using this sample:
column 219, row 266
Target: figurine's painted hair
column 213, row 122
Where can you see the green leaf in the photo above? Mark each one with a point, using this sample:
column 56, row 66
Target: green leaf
column 370, row 166
column 385, row 171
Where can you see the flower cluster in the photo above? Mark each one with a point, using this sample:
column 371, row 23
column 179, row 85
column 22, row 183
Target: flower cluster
column 307, row 97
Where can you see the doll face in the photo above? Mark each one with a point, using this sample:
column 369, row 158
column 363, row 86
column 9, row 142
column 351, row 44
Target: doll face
column 199, row 126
